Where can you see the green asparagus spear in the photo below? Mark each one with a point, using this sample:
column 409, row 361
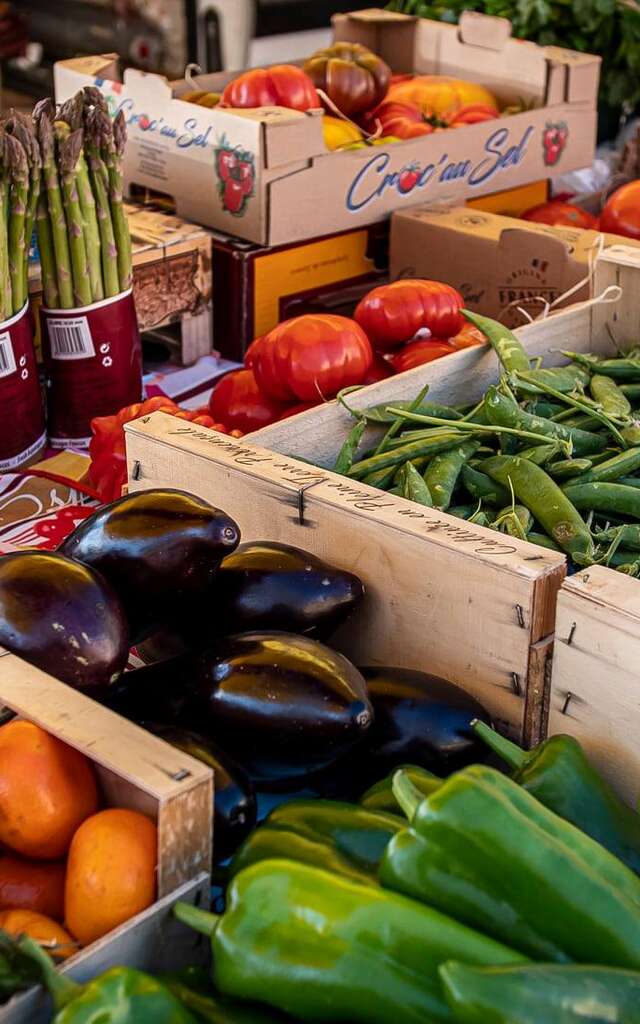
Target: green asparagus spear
column 100, row 184
column 47, row 255
column 6, row 302
column 69, row 145
column 18, row 169
column 113, row 138
column 42, row 116
column 22, row 128
column 72, row 113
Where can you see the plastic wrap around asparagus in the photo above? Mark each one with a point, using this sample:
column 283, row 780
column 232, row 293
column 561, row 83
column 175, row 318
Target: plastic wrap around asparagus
column 19, row 188
column 83, row 236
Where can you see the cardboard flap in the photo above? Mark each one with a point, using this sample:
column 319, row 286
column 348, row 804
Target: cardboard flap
column 104, row 65
column 392, row 36
column 544, row 249
column 144, row 87
column 484, row 31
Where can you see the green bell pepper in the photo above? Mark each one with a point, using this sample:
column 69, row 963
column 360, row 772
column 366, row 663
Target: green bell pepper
column 559, row 775
column 380, row 796
column 330, row 834
column 120, row 994
column 321, row 947
column 486, row 852
column 210, row 1007
column 570, row 994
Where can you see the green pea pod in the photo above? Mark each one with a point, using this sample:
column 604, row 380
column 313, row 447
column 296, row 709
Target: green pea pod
column 508, row 347
column 566, row 468
column 440, row 441
column 516, row 520
column 546, row 408
column 547, row 503
column 380, row 797
column 564, row 379
column 324, row 948
column 483, row 488
column 629, row 538
column 540, row 453
column 607, row 393
column 347, row 453
column 604, row 498
column 382, row 478
column 632, row 391
column 542, row 541
column 623, row 370
column 503, row 411
column 413, row 486
column 620, row 465
column 631, row 434
column 379, row 414
column 461, row 511
column 443, row 471
column 480, row 518
column 553, row 994
column 629, row 481
column 398, row 422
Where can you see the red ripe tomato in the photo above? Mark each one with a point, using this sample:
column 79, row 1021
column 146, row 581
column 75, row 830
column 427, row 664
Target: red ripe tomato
column 557, row 212
column 403, row 120
column 283, row 85
column 468, row 337
column 293, row 410
column 237, row 401
column 621, row 214
column 394, row 313
column 380, row 369
column 250, row 353
column 472, row 113
column 419, row 352
column 311, row 357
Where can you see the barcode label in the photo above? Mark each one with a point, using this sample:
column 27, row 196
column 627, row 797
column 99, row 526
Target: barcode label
column 7, row 358
column 70, row 339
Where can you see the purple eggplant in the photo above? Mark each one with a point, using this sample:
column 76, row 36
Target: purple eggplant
column 158, row 549
column 64, row 618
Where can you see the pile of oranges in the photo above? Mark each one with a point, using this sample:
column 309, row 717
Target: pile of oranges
column 69, row 871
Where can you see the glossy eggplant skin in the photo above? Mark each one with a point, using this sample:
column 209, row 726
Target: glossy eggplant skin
column 234, row 804
column 64, row 618
column 281, row 705
column 263, row 586
column 157, row 548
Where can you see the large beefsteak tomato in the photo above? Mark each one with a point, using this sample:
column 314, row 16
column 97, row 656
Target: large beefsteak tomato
column 238, row 402
column 404, row 120
column 354, row 78
column 420, row 352
column 621, row 214
column 283, row 85
column 442, row 96
column 557, row 212
column 311, row 357
column 394, row 313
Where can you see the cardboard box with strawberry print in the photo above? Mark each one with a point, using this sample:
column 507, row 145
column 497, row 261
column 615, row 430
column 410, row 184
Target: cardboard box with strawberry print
column 265, row 174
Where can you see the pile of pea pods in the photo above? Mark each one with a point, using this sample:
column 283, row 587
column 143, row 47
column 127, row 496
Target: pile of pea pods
column 550, row 455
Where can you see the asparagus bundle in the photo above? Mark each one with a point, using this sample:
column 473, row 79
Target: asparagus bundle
column 83, row 235
column 19, row 187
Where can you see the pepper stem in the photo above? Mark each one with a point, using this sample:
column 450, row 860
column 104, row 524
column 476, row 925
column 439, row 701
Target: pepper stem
column 510, row 752
column 63, row 990
column 200, row 920
column 407, row 794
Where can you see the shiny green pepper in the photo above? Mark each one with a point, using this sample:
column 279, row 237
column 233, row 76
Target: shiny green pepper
column 210, row 1007
column 320, row 947
column 570, row 994
column 380, row 796
column 121, row 994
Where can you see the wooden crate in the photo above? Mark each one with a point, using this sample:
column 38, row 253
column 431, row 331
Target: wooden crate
column 442, row 595
column 152, row 941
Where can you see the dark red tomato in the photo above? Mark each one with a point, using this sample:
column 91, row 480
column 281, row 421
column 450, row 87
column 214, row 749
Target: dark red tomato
column 283, row 85
column 237, row 401
column 393, row 313
column 380, row 369
column 558, row 213
column 419, row 352
column 354, row 78
column 293, row 410
column 621, row 214
column 250, row 353
column 310, row 358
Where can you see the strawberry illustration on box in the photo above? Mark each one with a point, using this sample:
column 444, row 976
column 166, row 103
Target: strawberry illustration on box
column 554, row 140
column 235, row 169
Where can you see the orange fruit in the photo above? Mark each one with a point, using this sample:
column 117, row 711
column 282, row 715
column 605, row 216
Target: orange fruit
column 32, row 885
column 52, row 936
column 47, row 789
column 111, row 872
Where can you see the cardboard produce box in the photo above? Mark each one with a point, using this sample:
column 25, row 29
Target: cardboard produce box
column 293, row 188
column 255, row 287
column 497, row 263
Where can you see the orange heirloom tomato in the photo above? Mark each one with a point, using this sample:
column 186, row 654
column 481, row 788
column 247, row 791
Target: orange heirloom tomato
column 442, row 96
column 354, row 78
column 621, row 214
column 311, row 357
column 557, row 212
column 467, row 337
column 283, row 85
column 404, row 120
column 419, row 352
column 393, row 313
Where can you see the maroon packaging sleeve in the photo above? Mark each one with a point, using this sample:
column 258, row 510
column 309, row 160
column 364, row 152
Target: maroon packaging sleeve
column 93, row 366
column 22, row 426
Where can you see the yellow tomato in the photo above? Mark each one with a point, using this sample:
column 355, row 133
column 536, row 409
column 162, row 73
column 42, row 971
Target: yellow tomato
column 338, row 133
column 439, row 95
column 384, row 140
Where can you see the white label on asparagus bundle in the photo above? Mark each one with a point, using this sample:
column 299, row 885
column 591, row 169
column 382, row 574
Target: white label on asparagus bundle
column 7, row 358
column 70, row 338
